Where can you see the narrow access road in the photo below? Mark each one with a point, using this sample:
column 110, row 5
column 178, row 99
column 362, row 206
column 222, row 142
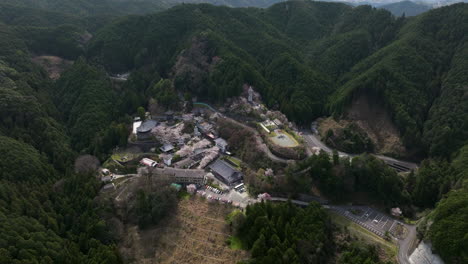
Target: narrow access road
column 405, row 245
column 312, row 140
column 261, row 145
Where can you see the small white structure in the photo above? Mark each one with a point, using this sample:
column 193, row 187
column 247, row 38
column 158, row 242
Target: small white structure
column 167, row 160
column 265, row 128
column 136, row 125
column 278, row 122
column 269, row 123
column 148, row 162
column 221, row 144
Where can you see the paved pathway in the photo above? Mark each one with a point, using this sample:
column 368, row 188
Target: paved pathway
column 261, row 145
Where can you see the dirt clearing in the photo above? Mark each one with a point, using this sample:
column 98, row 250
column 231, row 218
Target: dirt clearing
column 375, row 121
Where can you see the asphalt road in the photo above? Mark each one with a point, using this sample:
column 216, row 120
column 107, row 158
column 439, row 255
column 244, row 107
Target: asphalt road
column 312, row 140
column 405, row 245
column 261, row 145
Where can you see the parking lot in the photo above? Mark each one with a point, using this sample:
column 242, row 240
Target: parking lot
column 369, row 218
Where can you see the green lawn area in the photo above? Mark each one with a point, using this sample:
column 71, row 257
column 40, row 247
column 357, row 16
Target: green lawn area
column 235, row 243
column 272, row 134
column 111, row 164
column 235, row 161
column 356, row 230
column 183, row 195
column 123, row 157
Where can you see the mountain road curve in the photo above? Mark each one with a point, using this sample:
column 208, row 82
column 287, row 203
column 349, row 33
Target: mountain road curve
column 312, row 140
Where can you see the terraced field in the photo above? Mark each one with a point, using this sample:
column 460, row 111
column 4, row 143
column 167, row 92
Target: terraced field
column 195, row 233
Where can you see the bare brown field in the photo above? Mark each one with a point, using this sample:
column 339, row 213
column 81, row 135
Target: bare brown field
column 195, row 233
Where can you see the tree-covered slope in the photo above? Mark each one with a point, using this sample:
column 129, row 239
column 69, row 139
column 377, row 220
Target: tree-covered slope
column 299, row 53
column 47, row 214
column 413, row 75
column 242, row 41
column 307, row 59
column 92, row 7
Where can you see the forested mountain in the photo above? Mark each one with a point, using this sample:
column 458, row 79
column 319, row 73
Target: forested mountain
column 230, row 3
column 307, row 59
column 324, row 52
column 41, row 200
column 92, row 7
column 124, row 7
column 407, row 8
column 310, row 59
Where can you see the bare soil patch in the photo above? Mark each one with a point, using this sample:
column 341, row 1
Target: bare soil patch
column 375, row 121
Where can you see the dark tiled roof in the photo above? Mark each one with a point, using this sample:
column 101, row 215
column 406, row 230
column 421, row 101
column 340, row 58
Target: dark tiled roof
column 228, row 173
column 167, row 147
column 146, row 126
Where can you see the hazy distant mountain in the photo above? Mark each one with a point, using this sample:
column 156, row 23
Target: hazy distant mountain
column 231, row 3
column 406, row 7
column 381, row 3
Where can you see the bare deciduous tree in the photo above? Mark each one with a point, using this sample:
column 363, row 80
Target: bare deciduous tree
column 86, row 164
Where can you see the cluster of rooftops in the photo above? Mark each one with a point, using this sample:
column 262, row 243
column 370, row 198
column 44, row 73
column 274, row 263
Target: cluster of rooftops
column 221, row 169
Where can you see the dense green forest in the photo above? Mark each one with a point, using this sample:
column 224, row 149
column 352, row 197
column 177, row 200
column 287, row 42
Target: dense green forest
column 307, row 59
column 48, row 213
column 325, row 56
column 285, row 233
column 340, row 178
column 91, row 7
column 310, row 59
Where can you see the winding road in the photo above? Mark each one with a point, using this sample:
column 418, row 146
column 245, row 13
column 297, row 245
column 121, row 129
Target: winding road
column 261, row 145
column 312, row 140
column 406, row 244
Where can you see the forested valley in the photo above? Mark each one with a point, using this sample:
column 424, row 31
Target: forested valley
column 307, row 59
